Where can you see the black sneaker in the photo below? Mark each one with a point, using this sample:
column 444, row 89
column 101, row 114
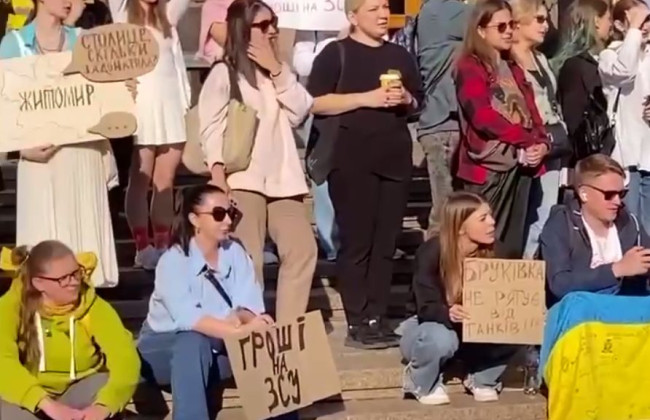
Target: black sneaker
column 362, row 337
column 383, row 332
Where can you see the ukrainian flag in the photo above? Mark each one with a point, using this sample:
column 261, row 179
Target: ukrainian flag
column 596, row 357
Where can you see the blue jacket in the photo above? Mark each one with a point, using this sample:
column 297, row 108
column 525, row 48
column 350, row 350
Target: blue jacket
column 566, row 248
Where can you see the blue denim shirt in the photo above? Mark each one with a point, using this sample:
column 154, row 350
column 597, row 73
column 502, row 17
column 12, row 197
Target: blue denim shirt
column 11, row 47
column 182, row 295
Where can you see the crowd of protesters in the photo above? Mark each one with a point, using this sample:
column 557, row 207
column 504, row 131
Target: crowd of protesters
column 529, row 156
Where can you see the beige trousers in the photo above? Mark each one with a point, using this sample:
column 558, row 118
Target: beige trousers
column 289, row 227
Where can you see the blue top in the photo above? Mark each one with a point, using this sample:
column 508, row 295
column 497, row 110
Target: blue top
column 11, row 47
column 182, row 295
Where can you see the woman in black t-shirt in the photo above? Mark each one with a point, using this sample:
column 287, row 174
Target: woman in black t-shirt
column 370, row 160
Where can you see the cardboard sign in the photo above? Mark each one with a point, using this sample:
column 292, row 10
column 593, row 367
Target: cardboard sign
column 283, row 368
column 112, row 53
column 310, row 15
column 39, row 105
column 505, row 299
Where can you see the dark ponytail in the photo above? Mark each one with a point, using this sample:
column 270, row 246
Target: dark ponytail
column 182, row 229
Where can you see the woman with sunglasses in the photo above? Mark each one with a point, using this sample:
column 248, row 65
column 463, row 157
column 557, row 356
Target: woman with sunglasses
column 503, row 140
column 64, row 353
column 271, row 190
column 593, row 243
column 624, row 68
column 532, row 25
column 205, row 290
column 163, row 99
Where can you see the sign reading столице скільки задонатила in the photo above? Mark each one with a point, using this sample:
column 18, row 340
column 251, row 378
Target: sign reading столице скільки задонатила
column 75, row 97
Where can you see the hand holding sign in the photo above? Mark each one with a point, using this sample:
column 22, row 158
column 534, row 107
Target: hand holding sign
column 114, row 53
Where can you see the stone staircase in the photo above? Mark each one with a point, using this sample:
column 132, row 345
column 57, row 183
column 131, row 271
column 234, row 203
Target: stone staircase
column 371, row 380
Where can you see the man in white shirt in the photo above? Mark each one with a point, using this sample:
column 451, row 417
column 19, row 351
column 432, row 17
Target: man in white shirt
column 593, row 243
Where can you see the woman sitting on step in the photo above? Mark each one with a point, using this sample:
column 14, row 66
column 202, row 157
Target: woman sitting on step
column 205, row 290
column 64, row 353
column 434, row 336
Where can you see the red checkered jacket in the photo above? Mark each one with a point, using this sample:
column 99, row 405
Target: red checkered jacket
column 480, row 122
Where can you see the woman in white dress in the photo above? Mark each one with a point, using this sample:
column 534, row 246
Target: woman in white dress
column 63, row 191
column 163, row 99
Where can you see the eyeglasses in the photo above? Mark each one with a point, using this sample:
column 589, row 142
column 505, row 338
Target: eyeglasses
column 219, row 214
column 503, row 26
column 266, row 24
column 541, row 19
column 609, row 195
column 78, row 275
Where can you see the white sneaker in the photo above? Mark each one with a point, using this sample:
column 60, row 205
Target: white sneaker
column 437, row 397
column 147, row 258
column 270, row 258
column 484, row 394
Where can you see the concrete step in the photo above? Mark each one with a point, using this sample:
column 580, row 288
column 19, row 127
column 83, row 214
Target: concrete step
column 512, row 405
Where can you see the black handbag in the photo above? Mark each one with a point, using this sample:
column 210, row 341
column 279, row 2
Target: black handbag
column 595, row 134
column 561, row 146
column 323, row 135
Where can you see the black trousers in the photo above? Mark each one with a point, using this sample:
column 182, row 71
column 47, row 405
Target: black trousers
column 369, row 209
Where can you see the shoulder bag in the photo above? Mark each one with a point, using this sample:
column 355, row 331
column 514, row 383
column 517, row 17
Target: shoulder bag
column 323, row 135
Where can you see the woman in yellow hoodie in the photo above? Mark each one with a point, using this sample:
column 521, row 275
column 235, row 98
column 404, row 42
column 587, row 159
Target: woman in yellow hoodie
column 64, row 352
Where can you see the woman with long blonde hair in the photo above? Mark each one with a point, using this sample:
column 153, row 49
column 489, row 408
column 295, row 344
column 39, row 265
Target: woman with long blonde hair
column 64, row 352
column 432, row 337
column 163, row 99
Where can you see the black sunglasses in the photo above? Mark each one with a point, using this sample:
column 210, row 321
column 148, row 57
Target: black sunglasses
column 219, row 214
column 541, row 19
column 266, row 24
column 608, row 195
column 503, row 26
column 79, row 274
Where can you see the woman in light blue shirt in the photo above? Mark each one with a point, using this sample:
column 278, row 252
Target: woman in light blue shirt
column 205, row 290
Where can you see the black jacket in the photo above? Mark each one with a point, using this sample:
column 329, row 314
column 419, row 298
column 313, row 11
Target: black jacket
column 578, row 79
column 565, row 246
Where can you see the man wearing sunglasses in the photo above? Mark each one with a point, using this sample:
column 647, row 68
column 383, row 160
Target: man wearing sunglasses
column 593, row 244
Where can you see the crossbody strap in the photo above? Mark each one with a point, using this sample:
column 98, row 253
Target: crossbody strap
column 209, row 276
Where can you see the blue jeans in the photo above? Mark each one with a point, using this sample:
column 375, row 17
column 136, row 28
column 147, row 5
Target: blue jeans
column 637, row 200
column 188, row 361
column 325, row 224
column 428, row 346
column 543, row 196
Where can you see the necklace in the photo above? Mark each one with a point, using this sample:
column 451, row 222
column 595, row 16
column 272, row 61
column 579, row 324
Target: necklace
column 59, row 47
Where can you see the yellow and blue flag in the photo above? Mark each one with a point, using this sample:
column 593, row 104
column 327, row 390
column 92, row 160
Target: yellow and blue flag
column 596, row 357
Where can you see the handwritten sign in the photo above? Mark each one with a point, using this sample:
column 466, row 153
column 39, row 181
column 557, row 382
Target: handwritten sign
column 283, row 368
column 112, row 53
column 39, row 105
column 505, row 300
column 310, row 15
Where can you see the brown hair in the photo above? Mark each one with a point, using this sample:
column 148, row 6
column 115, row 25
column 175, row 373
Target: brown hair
column 594, row 166
column 157, row 18
column 456, row 209
column 241, row 15
column 619, row 13
column 481, row 16
column 32, row 263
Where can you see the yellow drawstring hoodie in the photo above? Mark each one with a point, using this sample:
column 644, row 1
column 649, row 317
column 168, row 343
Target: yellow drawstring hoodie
column 73, row 345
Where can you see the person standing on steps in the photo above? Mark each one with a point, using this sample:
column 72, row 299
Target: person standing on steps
column 371, row 162
column 270, row 192
column 434, row 335
column 62, row 192
column 163, row 100
column 441, row 26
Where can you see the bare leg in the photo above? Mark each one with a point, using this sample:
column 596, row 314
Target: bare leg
column 162, row 202
column 137, row 211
